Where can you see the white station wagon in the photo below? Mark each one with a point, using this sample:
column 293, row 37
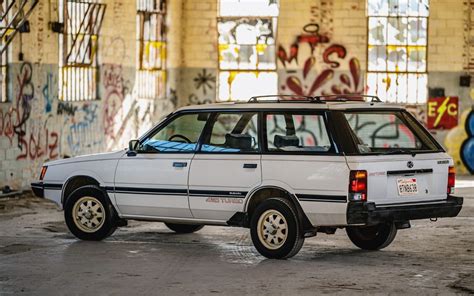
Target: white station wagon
column 286, row 169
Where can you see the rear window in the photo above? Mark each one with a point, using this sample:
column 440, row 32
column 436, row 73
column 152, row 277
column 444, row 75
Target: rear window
column 388, row 132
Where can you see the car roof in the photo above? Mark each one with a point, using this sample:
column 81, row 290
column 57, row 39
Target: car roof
column 327, row 105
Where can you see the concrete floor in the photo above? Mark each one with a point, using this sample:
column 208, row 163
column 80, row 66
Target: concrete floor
column 38, row 256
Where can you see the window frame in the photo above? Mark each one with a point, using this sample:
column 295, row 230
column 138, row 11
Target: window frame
column 73, row 72
column 334, row 150
column 169, row 119
column 210, row 124
column 398, row 73
column 219, row 18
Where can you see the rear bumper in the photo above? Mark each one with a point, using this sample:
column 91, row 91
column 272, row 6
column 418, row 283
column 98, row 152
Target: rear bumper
column 38, row 189
column 369, row 213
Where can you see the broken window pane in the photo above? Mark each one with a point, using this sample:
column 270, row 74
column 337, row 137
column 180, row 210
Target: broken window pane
column 377, row 30
column 377, row 58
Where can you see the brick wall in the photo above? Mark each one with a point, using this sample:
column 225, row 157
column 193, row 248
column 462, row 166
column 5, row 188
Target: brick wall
column 35, row 126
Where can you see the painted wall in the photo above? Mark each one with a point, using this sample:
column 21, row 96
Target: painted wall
column 321, row 49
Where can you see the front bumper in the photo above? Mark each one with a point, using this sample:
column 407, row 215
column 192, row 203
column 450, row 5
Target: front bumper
column 368, row 213
column 38, row 189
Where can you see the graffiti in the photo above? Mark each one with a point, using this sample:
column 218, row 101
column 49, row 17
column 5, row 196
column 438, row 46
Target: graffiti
column 327, row 81
column 66, row 108
column 6, row 124
column 467, row 147
column 25, row 95
column 442, row 112
column 115, row 49
column 204, row 80
column 459, row 145
column 81, row 131
column 47, row 93
column 312, row 38
column 34, row 148
column 115, row 91
column 195, row 100
column 418, row 111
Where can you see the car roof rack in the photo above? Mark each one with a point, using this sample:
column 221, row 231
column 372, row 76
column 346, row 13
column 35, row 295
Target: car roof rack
column 348, row 98
column 315, row 99
column 295, row 98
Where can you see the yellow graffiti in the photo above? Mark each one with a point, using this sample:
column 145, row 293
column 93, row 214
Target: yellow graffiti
column 441, row 110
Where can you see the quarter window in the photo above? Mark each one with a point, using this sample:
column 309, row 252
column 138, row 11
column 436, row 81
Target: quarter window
column 180, row 135
column 233, row 132
column 297, row 133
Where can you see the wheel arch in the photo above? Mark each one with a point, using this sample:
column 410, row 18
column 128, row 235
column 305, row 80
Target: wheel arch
column 79, row 179
column 262, row 193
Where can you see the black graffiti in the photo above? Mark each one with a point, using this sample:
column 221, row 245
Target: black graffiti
column 67, row 109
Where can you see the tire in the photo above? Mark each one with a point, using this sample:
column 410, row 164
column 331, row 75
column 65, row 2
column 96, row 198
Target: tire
column 273, row 242
column 89, row 214
column 372, row 237
column 184, row 228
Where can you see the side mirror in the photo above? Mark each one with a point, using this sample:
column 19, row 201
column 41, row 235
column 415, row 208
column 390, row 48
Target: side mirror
column 132, row 147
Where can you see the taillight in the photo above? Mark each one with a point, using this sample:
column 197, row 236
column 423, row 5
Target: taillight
column 451, row 179
column 43, row 172
column 358, row 185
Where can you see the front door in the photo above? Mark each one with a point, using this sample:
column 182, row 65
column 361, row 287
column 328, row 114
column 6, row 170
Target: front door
column 154, row 181
column 227, row 167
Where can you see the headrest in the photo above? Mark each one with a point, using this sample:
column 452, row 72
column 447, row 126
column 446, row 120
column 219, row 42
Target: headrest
column 239, row 141
column 285, row 141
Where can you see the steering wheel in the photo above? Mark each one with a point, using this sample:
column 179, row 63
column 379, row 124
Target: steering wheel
column 179, row 136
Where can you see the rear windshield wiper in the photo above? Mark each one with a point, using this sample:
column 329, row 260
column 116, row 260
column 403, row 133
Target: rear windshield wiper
column 398, row 151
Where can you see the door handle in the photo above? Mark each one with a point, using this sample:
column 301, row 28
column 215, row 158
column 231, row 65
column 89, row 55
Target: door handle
column 180, row 164
column 250, row 165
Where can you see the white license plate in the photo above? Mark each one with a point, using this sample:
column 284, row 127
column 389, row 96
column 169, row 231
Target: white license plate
column 407, row 186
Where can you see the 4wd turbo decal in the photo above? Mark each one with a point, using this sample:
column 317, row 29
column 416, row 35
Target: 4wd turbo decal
column 225, row 200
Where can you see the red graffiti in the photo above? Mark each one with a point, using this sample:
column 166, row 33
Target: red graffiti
column 337, row 49
column 312, row 38
column 115, row 90
column 33, row 148
column 284, row 57
column 327, row 79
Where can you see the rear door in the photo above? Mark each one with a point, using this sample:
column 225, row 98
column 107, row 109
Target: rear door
column 299, row 153
column 227, row 166
column 403, row 162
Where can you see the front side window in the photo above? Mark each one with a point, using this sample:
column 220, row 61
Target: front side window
column 388, row 132
column 233, row 132
column 180, row 135
column 296, row 133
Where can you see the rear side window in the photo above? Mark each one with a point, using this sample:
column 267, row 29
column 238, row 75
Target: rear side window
column 296, row 132
column 233, row 133
column 388, row 131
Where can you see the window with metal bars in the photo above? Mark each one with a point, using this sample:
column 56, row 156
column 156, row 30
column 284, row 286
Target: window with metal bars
column 151, row 48
column 4, row 53
column 397, row 50
column 78, row 49
column 246, row 47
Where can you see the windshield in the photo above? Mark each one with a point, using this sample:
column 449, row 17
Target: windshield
column 389, row 132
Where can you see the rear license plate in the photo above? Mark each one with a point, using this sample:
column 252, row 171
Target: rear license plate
column 407, row 186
